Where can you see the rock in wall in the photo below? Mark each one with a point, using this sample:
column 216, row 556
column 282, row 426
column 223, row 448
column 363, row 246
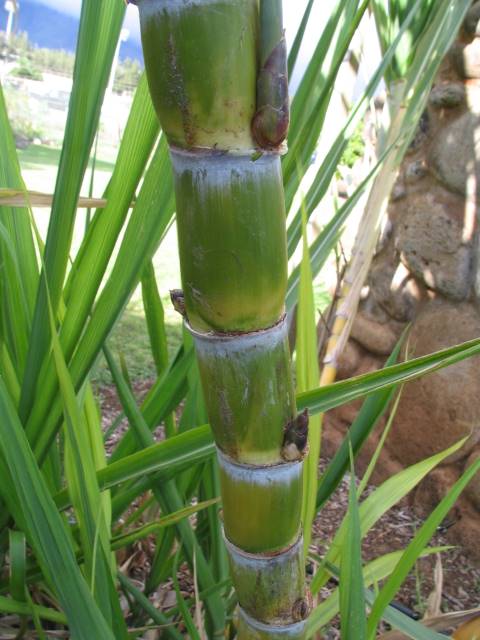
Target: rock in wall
column 425, row 272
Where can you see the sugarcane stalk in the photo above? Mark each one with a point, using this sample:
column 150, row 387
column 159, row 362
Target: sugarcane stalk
column 217, row 76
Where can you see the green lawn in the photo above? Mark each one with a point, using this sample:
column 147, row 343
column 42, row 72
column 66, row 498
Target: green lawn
column 37, row 155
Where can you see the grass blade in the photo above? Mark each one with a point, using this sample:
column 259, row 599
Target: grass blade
column 45, row 529
column 414, row 549
column 379, row 502
column 308, row 375
column 352, row 602
column 372, row 409
column 333, row 395
column 100, row 24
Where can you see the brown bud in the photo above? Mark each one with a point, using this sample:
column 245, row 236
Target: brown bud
column 270, row 122
column 178, row 301
column 295, row 438
column 300, row 609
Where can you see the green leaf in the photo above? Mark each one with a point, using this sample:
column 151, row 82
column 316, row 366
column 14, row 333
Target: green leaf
column 167, row 626
column 89, row 506
column 162, row 460
column 378, row 503
column 168, row 496
column 184, row 610
column 414, row 549
column 152, row 527
column 149, row 218
column 18, row 281
column 17, row 553
column 295, row 48
column 11, row 606
column 155, row 317
column 333, row 395
column 100, row 24
column 372, row 409
column 307, row 376
column 45, row 529
column 373, row 572
column 353, row 622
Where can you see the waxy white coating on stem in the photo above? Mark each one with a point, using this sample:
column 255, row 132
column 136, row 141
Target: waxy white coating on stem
column 294, row 630
column 219, row 169
column 256, row 560
column 224, row 343
column 152, row 6
column 271, row 475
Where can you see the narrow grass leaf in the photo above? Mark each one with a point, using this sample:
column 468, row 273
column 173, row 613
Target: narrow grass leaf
column 169, row 497
column 166, row 624
column 333, row 395
column 94, row 523
column 18, row 282
column 150, row 216
column 12, row 606
column 153, row 527
column 100, row 24
column 373, row 572
column 372, row 409
column 353, row 622
column 17, row 556
column 308, row 376
column 183, row 609
column 45, row 529
column 411, row 553
column 378, row 503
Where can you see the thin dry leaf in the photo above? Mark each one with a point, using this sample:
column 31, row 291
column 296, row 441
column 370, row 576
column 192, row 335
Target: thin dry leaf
column 434, row 600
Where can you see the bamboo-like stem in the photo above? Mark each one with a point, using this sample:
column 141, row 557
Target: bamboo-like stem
column 217, row 75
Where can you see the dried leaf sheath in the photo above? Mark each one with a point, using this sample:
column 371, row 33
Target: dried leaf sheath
column 202, row 60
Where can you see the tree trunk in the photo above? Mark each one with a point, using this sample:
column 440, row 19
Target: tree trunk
column 216, row 70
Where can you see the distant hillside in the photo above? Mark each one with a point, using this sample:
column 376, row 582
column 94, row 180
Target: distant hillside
column 54, row 30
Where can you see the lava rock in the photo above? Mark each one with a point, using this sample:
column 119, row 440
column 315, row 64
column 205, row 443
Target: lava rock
column 455, row 153
column 415, row 171
column 348, row 360
column 377, row 338
column 429, row 240
column 466, row 59
column 393, row 288
column 471, row 24
column 398, row 191
column 441, row 408
column 447, row 96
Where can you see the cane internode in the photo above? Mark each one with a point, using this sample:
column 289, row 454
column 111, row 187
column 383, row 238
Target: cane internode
column 270, row 587
column 248, row 391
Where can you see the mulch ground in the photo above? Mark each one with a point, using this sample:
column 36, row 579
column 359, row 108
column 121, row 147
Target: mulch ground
column 460, row 586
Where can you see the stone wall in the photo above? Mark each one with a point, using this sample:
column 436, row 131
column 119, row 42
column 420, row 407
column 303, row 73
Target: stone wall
column 425, row 273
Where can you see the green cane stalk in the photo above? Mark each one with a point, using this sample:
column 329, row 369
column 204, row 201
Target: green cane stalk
column 217, row 73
